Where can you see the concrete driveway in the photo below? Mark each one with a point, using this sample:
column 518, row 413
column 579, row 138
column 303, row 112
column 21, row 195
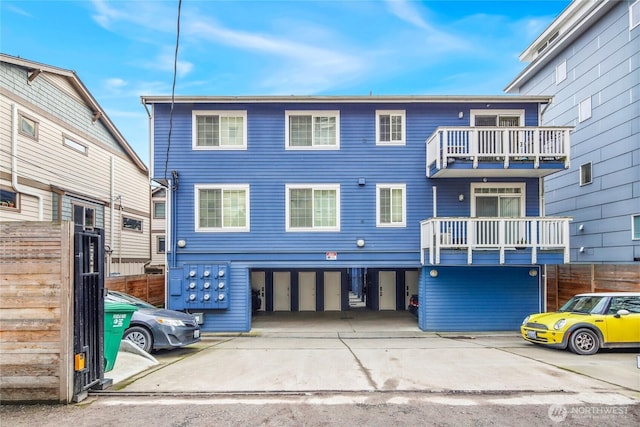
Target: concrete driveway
column 374, row 352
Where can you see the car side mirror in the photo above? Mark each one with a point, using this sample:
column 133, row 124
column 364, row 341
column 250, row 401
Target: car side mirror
column 620, row 313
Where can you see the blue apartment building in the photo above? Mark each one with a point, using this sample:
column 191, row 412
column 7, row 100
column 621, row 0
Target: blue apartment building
column 588, row 59
column 309, row 199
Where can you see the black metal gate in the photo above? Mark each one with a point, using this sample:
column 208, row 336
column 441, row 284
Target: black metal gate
column 88, row 346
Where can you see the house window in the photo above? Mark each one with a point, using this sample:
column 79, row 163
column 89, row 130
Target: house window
column 498, row 200
column 561, row 72
column 159, row 210
column 635, row 227
column 313, row 207
column 133, row 224
column 585, row 174
column 222, row 208
column 316, row 130
column 28, row 127
column 68, row 142
column 84, row 216
column 584, row 110
column 8, row 199
column 497, row 118
column 634, row 15
column 391, row 205
column 390, row 127
column 219, row 130
column 161, row 245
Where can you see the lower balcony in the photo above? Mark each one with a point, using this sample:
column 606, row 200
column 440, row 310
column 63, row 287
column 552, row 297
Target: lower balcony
column 530, row 240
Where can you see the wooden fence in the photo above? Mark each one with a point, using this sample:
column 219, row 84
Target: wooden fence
column 147, row 287
column 564, row 281
column 36, row 311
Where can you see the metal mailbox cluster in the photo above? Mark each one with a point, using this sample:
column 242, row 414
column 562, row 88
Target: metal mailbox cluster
column 200, row 286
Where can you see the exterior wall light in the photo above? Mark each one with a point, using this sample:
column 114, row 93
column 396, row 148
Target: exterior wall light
column 360, row 243
column 461, row 197
column 533, row 272
column 433, row 273
column 182, row 243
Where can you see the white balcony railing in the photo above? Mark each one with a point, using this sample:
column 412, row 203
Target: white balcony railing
column 503, row 144
column 473, row 234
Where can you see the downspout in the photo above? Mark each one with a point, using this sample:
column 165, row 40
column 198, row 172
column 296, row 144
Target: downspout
column 112, row 198
column 14, row 163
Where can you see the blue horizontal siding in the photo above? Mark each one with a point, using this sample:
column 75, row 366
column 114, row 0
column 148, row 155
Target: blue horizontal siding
column 477, row 298
column 267, row 167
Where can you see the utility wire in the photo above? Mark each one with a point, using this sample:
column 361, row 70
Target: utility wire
column 173, row 91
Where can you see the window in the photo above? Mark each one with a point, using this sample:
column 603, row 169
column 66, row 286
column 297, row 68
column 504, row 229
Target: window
column 584, row 110
column 585, row 174
column 68, row 142
column 497, row 118
column 161, row 245
column 222, row 208
column 313, row 207
column 634, row 15
column 129, row 223
column 390, row 128
column 498, row 200
column 84, row 216
column 635, row 227
column 8, row 199
column 219, row 130
column 317, row 130
column 391, row 205
column 28, row 127
column 159, row 210
column 561, row 72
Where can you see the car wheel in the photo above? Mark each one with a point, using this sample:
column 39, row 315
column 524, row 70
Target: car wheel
column 140, row 337
column 584, row 341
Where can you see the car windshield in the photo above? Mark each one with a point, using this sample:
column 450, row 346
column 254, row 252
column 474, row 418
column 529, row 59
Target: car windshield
column 128, row 299
column 584, row 304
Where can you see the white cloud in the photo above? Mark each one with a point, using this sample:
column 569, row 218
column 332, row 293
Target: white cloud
column 115, row 83
column 17, row 10
column 407, row 11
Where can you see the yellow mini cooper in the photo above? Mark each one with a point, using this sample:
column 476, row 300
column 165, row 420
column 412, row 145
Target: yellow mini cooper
column 588, row 322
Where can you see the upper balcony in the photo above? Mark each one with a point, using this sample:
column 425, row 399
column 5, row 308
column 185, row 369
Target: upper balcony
column 528, row 240
column 460, row 152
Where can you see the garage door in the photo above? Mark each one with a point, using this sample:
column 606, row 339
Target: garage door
column 477, row 298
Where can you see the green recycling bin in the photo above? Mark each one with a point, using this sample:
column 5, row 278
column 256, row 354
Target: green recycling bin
column 117, row 317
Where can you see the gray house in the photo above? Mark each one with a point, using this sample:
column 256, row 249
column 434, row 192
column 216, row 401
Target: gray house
column 589, row 60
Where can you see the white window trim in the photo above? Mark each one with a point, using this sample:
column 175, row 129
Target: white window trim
column 289, row 187
column 73, row 144
column 223, row 187
column 633, row 231
column 634, row 12
column 584, row 109
column 401, row 113
column 561, row 72
column 590, row 173
column 312, row 113
column 402, row 187
column 514, row 112
column 220, row 113
column 522, row 194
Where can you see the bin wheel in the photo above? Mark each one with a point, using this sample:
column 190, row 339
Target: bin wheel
column 140, row 337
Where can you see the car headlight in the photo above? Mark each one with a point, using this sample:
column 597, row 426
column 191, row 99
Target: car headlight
column 169, row 322
column 526, row 319
column 560, row 324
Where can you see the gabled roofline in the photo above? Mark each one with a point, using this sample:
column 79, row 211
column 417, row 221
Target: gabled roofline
column 574, row 21
column 146, row 100
column 86, row 96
